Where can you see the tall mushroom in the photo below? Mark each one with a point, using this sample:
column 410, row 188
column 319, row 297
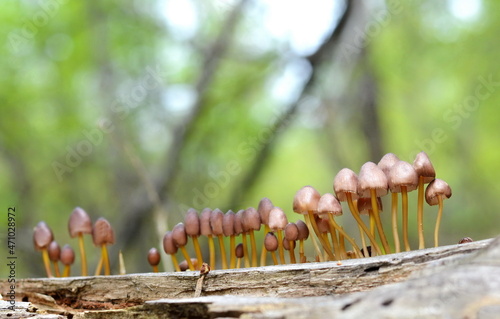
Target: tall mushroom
column 179, row 238
column 54, row 256
column 437, row 191
column 102, row 235
column 426, row 173
column 216, row 223
column 79, row 224
column 277, row 223
column 264, row 208
column 386, row 163
column 228, row 228
column 192, row 225
column 238, row 229
column 251, row 223
column 42, row 237
column 206, row 230
column 170, row 249
column 345, row 185
column 67, row 259
column 402, row 179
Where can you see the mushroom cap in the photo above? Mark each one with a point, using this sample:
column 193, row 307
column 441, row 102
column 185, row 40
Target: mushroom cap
column 179, row 235
column 387, row 162
column 205, row 228
column 251, row 219
column 154, row 257
column 277, row 219
column 423, row 166
column 271, row 242
column 192, row 222
column 216, row 222
column 306, row 200
column 346, row 181
column 79, row 222
column 238, row 222
column 264, row 208
column 328, row 203
column 402, row 174
column 372, row 177
column 436, row 188
column 286, row 244
column 183, row 265
column 228, row 223
column 54, row 251
column 42, row 235
column 238, row 250
column 323, row 225
column 303, row 230
column 102, row 233
column 365, row 205
column 67, row 255
column 168, row 244
column 465, row 240
column 291, row 231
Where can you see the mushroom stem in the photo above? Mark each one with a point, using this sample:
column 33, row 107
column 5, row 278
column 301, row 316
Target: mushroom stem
column 281, row 250
column 175, row 262
column 376, row 215
column 98, row 269
column 105, row 260
column 263, row 253
column 344, row 234
column 254, row 248
column 82, row 254
column 186, row 256
column 67, row 271
column 420, row 213
column 232, row 246
column 363, row 241
column 336, row 247
column 356, row 216
column 301, row 250
column 316, row 247
column 245, row 250
column 372, row 222
column 197, row 250
column 273, row 256
column 343, row 253
column 438, row 220
column 238, row 263
column 211, row 248
column 155, row 268
column 320, row 237
column 56, row 268
column 394, row 213
column 291, row 243
column 404, row 202
column 46, row 262
column 222, row 251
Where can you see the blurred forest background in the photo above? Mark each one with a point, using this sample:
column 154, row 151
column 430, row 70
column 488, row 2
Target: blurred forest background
column 138, row 110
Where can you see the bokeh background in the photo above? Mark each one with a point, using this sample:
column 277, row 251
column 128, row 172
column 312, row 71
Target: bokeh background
column 138, row 110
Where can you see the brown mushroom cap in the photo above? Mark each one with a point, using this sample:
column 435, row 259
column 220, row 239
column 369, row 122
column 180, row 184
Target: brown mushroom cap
column 179, row 235
column 205, row 228
column 323, row 225
column 365, row 205
column 277, row 219
column 183, row 265
column 306, row 200
column 264, row 208
column 346, row 181
column 251, row 219
column 465, row 240
column 328, row 203
column 238, row 250
column 42, row 235
column 291, row 231
column 168, row 244
column 372, row 177
column 154, row 257
column 228, row 223
column 303, row 230
column 387, row 162
column 54, row 251
column 102, row 233
column 79, row 222
column 423, row 166
column 436, row 188
column 216, row 222
column 271, row 242
column 192, row 222
column 67, row 255
column 402, row 174
column 238, row 222
column 286, row 244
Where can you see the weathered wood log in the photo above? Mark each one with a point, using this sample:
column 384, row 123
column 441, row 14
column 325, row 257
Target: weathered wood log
column 457, row 279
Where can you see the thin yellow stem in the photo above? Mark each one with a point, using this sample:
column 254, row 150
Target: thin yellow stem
column 356, row 216
column 254, row 249
column 291, row 243
column 372, row 222
column 394, row 213
column 336, row 247
column 155, row 268
column 344, row 234
column 67, row 270
column 343, row 253
column 363, row 241
column 46, row 262
column 105, row 260
column 420, row 213
column 301, row 251
column 188, row 259
column 327, row 242
column 222, row 249
column 275, row 260
column 175, row 262
column 315, row 243
column 438, row 221
column 56, row 268
column 378, row 222
column 232, row 245
column 82, row 254
column 245, row 250
column 211, row 248
column 320, row 237
column 238, row 264
column 99, row 267
column 263, row 253
column 197, row 250
column 404, row 203
column 281, row 249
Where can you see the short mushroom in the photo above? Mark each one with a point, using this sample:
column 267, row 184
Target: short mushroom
column 79, row 224
column 170, row 249
column 192, row 225
column 102, row 235
column 238, row 251
column 251, row 222
column 54, row 256
column 228, row 228
column 303, row 235
column 238, row 228
column 179, row 238
column 426, row 173
column 271, row 243
column 206, row 230
column 67, row 259
column 42, row 237
column 154, row 258
column 264, row 208
column 385, row 164
column 291, row 235
column 277, row 223
column 437, row 191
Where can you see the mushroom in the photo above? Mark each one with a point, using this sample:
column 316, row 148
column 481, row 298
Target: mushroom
column 192, row 225
column 238, row 251
column 102, row 235
column 42, row 237
column 291, row 235
column 54, row 256
column 303, row 235
column 345, row 185
column 183, row 265
column 324, row 229
column 426, row 173
column 179, row 238
column 385, row 164
column 329, row 207
column 465, row 240
column 206, row 230
column 402, row 179
column 170, row 249
column 251, row 223
column 154, row 258
column 305, row 202
column 238, row 228
column 67, row 259
column 271, row 243
column 79, row 224
column 216, row 223
column 264, row 208
column 228, row 228
column 277, row 223
column 437, row 191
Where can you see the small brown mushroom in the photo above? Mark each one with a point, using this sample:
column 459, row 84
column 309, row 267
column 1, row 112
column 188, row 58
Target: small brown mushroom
column 206, row 230
column 272, row 244
column 385, row 164
column 79, row 224
column 184, row 266
column 437, row 191
column 154, row 258
column 170, row 249
column 465, row 240
column 179, row 238
column 251, row 222
column 192, row 224
column 264, row 208
column 102, row 235
column 216, row 222
column 54, row 256
column 303, row 235
column 42, row 237
column 67, row 259
column 277, row 223
column 291, row 235
column 426, row 173
column 228, row 228
column 238, row 252
column 238, row 228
